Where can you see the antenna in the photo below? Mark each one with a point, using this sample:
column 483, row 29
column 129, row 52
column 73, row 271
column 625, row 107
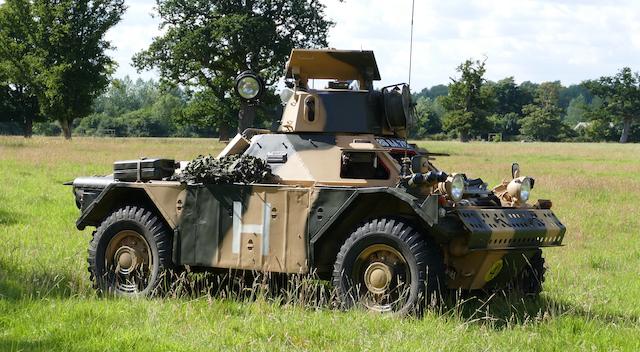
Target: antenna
column 405, row 160
column 413, row 6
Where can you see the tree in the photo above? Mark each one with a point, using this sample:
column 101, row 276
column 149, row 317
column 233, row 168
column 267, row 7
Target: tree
column 77, row 68
column 5, row 109
column 5, row 103
column 207, row 43
column 19, row 65
column 601, row 131
column 509, row 97
column 61, row 52
column 428, row 120
column 467, row 102
column 21, row 108
column 576, row 110
column 508, row 124
column 567, row 94
column 435, row 91
column 206, row 110
column 542, row 119
column 621, row 99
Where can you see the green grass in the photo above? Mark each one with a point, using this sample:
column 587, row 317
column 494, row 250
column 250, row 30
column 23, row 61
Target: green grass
column 590, row 300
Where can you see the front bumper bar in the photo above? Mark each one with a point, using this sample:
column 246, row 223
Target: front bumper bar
column 512, row 228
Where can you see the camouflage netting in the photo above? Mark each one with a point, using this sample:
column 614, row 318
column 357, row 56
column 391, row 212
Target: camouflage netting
column 230, row 169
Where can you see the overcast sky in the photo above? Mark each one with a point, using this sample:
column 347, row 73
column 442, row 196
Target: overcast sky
column 538, row 41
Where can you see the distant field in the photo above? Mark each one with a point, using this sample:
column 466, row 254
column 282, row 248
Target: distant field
column 590, row 300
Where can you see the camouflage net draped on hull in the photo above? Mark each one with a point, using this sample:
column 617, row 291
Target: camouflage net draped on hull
column 229, row 169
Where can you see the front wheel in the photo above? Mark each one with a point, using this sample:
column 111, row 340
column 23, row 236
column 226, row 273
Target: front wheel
column 130, row 253
column 387, row 266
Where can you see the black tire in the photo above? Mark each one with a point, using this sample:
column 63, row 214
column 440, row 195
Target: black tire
column 407, row 283
column 136, row 237
column 531, row 277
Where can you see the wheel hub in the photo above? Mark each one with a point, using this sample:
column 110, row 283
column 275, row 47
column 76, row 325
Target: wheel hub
column 381, row 276
column 377, row 277
column 127, row 258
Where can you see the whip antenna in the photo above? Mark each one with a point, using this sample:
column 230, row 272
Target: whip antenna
column 413, row 6
column 406, row 163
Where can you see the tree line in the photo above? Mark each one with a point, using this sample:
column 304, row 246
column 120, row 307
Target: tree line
column 471, row 107
column 55, row 77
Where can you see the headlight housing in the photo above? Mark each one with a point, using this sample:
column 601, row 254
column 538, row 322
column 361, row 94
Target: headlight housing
column 249, row 86
column 520, row 188
column 456, row 188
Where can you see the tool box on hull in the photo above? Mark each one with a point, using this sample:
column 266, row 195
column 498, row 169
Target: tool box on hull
column 143, row 169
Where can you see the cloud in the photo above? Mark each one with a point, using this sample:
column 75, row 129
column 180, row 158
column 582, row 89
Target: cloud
column 134, row 33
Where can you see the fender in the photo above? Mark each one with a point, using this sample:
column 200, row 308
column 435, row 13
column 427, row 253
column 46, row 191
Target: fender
column 162, row 196
column 426, row 209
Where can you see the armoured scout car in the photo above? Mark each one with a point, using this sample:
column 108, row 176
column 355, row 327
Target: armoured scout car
column 348, row 200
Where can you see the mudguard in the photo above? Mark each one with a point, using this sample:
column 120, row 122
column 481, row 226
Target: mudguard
column 333, row 205
column 161, row 195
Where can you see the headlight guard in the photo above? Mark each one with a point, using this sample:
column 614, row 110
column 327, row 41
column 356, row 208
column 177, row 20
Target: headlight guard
column 249, row 86
column 456, row 187
column 520, row 188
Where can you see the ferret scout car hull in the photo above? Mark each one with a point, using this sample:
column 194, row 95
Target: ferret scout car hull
column 347, row 199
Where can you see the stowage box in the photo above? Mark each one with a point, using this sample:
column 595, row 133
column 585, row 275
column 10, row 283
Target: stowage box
column 143, row 169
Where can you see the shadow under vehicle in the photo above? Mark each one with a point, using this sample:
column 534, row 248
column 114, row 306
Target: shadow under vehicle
column 347, row 199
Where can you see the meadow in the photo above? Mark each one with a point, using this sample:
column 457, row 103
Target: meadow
column 590, row 299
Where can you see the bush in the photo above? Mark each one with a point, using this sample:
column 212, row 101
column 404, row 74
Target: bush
column 144, row 123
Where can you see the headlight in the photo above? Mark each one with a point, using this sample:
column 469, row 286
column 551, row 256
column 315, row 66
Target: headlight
column 456, row 190
column 520, row 188
column 248, row 85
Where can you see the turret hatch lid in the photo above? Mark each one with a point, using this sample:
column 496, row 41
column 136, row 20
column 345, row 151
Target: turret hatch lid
column 340, row 65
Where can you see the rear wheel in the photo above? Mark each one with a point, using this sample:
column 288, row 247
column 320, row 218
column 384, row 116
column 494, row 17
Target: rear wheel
column 387, row 266
column 130, row 253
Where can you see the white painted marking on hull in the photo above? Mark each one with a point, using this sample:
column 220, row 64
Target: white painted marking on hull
column 259, row 229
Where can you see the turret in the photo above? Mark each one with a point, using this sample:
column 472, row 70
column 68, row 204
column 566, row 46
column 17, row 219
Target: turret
column 331, row 91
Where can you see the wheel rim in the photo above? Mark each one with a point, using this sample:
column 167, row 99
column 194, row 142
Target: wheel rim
column 383, row 278
column 128, row 260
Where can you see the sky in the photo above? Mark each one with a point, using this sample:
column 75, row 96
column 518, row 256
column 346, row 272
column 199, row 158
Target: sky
column 537, row 41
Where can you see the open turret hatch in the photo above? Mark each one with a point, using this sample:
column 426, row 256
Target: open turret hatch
column 341, row 65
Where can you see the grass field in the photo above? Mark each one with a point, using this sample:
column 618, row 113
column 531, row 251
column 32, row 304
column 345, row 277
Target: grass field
column 591, row 298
